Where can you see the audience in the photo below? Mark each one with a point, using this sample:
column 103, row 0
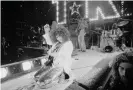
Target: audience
column 122, row 73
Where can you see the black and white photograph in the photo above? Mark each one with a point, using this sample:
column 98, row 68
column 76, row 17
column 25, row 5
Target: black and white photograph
column 66, row 45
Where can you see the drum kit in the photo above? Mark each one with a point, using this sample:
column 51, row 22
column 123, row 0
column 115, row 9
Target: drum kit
column 108, row 38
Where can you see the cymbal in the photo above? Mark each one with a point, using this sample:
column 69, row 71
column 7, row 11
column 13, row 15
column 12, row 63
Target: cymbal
column 126, row 19
column 122, row 23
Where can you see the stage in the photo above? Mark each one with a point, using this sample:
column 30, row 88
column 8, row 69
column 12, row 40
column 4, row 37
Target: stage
column 83, row 62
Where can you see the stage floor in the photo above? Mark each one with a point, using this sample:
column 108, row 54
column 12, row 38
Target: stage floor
column 83, row 62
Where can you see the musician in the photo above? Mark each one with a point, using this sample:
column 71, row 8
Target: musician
column 117, row 35
column 81, row 41
column 116, row 30
column 104, row 39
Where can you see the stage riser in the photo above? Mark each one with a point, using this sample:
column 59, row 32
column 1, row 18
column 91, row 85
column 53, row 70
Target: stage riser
column 16, row 69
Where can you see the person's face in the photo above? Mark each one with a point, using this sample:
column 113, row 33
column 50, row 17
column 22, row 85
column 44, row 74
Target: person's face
column 126, row 72
column 59, row 38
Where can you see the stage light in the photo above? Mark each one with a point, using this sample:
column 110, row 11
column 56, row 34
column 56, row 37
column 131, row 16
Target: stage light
column 72, row 8
column 4, row 72
column 98, row 10
column 86, row 9
column 57, row 13
column 43, row 60
column 122, row 9
column 65, row 16
column 128, row 14
column 26, row 65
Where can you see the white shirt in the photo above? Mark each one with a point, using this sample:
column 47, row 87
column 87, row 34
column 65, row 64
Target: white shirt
column 64, row 58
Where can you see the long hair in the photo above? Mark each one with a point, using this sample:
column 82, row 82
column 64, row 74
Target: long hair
column 123, row 57
column 61, row 31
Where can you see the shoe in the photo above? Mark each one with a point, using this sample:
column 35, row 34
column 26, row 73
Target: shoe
column 62, row 79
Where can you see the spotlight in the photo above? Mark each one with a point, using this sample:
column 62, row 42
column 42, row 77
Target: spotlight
column 26, row 65
column 128, row 14
column 4, row 72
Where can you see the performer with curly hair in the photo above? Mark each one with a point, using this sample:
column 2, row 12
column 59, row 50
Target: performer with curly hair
column 58, row 68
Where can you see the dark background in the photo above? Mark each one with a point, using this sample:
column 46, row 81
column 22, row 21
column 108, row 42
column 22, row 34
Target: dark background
column 32, row 13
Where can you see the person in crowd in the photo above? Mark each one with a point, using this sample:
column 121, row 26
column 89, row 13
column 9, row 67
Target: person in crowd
column 122, row 77
column 122, row 73
column 58, row 67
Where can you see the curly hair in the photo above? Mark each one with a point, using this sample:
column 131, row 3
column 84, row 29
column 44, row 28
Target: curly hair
column 60, row 31
column 123, row 57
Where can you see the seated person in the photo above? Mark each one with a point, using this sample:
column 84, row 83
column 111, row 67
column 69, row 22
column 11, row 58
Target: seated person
column 122, row 73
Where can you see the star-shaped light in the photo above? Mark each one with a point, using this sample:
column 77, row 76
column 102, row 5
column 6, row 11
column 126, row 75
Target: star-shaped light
column 75, row 6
